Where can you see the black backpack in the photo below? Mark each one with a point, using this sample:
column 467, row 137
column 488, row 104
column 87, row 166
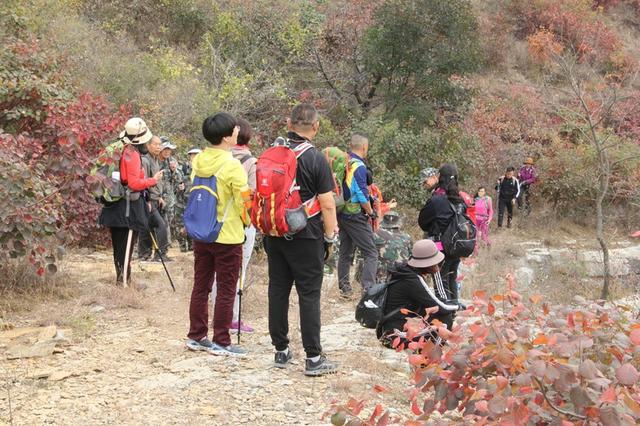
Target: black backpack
column 370, row 308
column 459, row 239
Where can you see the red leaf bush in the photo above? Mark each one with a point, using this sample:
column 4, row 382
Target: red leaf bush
column 513, row 361
column 51, row 143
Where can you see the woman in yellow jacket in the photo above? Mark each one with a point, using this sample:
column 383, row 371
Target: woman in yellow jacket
column 222, row 258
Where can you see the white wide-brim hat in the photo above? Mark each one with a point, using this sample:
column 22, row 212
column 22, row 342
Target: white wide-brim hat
column 136, row 132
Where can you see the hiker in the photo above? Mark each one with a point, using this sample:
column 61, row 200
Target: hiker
column 172, row 177
column 355, row 220
column 242, row 153
column 484, row 214
column 172, row 189
column 527, row 176
column 396, row 247
column 436, row 216
column 178, row 231
column 155, row 207
column 429, row 178
column 221, row 259
column 182, row 197
column 508, row 189
column 187, row 165
column 408, row 289
column 300, row 257
column 129, row 213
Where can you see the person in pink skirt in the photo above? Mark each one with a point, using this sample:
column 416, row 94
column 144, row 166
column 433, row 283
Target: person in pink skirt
column 484, row 214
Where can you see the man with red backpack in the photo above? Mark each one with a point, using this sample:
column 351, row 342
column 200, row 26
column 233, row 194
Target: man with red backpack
column 294, row 208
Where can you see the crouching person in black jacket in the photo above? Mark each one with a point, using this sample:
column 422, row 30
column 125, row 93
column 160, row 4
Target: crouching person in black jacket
column 409, row 290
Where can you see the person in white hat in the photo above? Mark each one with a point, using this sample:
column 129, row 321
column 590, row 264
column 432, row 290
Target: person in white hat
column 186, row 166
column 128, row 216
column 409, row 290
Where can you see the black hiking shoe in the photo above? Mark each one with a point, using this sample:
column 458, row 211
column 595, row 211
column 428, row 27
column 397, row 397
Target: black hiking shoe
column 346, row 293
column 281, row 359
column 320, row 367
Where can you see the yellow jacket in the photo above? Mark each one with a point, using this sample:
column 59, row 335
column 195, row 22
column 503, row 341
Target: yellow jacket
column 232, row 188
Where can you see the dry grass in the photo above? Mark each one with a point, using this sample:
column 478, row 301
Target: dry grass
column 21, row 288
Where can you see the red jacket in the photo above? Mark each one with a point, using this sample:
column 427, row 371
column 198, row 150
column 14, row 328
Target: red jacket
column 131, row 171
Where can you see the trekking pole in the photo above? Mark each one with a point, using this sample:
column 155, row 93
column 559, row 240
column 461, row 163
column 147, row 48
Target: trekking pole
column 240, row 287
column 127, row 255
column 155, row 247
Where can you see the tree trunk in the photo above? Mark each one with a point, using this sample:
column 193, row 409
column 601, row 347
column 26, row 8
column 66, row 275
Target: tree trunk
column 603, row 246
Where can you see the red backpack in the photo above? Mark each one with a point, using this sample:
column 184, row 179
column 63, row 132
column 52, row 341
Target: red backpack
column 277, row 208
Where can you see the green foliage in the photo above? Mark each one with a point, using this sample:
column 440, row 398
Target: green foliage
column 414, row 48
column 397, row 154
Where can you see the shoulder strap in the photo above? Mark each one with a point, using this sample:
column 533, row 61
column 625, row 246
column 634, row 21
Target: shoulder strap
column 386, row 317
column 245, row 158
column 302, row 148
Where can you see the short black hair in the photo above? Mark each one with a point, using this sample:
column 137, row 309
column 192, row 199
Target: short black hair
column 216, row 127
column 303, row 116
column 246, row 132
column 511, row 169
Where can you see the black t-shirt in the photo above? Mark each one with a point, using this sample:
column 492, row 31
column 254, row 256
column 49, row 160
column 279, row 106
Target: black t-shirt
column 313, row 176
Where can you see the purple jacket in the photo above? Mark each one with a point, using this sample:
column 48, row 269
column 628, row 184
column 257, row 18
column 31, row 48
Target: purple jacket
column 527, row 175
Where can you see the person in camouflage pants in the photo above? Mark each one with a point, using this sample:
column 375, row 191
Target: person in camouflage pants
column 394, row 246
column 178, row 225
column 173, row 179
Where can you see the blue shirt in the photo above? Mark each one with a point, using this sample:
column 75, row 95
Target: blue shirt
column 355, row 189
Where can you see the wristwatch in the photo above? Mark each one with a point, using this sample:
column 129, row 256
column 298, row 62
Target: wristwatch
column 330, row 239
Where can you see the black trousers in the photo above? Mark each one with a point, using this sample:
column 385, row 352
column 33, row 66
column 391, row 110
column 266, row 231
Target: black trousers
column 119, row 238
column 159, row 226
column 300, row 261
column 503, row 204
column 449, row 273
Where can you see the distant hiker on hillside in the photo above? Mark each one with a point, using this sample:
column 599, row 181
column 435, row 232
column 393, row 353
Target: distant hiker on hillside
column 155, row 205
column 129, row 213
column 508, row 189
column 298, row 257
column 242, row 153
column 409, row 289
column 527, row 177
column 484, row 214
column 435, row 217
column 220, row 259
column 355, row 220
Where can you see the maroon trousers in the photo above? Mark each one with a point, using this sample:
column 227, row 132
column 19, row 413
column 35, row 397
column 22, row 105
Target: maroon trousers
column 220, row 261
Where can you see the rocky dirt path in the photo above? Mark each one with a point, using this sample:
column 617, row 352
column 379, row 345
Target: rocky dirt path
column 120, row 358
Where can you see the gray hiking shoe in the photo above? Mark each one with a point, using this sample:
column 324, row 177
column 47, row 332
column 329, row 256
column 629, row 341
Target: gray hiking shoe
column 230, row 350
column 281, row 359
column 203, row 344
column 320, row 367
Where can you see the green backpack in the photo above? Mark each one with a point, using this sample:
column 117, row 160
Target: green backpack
column 339, row 163
column 106, row 174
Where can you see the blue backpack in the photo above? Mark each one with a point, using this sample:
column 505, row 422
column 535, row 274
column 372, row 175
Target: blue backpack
column 201, row 213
